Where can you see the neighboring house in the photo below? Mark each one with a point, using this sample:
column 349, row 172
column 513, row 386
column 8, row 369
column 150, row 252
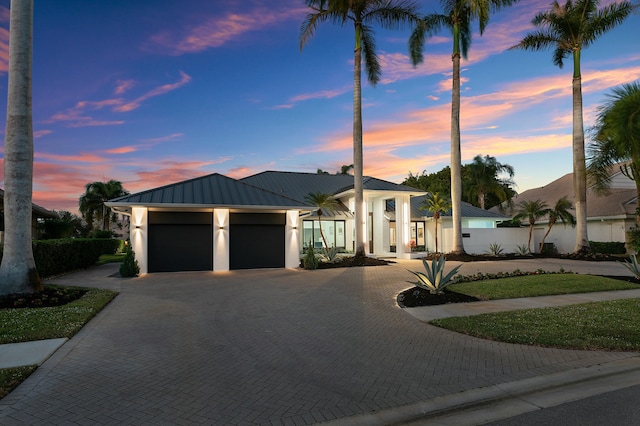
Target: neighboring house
column 37, row 212
column 218, row 223
column 609, row 216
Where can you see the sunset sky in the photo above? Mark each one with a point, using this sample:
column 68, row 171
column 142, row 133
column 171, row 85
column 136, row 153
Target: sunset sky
column 152, row 92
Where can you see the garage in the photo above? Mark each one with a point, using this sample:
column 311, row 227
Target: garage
column 180, row 241
column 257, row 240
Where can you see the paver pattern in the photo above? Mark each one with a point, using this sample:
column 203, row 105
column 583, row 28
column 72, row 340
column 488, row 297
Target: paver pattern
column 268, row 347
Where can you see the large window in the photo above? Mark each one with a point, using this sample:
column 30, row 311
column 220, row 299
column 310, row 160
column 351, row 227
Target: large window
column 333, row 231
column 416, row 233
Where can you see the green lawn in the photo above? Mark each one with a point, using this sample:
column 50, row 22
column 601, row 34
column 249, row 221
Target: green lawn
column 539, row 285
column 27, row 324
column 611, row 325
column 111, row 258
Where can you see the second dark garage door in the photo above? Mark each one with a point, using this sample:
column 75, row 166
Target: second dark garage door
column 256, row 240
column 180, row 241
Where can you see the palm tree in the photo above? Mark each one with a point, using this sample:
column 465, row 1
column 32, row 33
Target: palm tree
column 559, row 211
column 92, row 202
column 569, row 28
column 437, row 205
column 344, row 170
column 483, row 173
column 457, row 17
column 322, row 201
column 532, row 211
column 389, row 14
column 616, row 137
column 18, row 272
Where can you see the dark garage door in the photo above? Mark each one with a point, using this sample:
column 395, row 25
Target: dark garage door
column 180, row 241
column 256, row 240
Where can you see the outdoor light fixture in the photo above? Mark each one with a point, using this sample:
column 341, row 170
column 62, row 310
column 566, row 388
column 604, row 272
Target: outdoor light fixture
column 221, row 227
column 137, row 226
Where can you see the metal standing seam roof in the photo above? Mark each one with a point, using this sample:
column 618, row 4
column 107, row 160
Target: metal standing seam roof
column 212, row 190
column 298, row 185
column 467, row 210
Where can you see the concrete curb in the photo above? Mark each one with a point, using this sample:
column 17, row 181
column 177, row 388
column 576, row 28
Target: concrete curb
column 478, row 406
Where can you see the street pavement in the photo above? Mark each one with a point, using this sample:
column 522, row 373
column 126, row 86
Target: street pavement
column 280, row 347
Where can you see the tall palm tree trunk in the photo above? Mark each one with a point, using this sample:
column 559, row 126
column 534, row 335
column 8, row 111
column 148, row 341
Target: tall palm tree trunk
column 18, row 272
column 456, row 158
column 357, row 147
column 579, row 164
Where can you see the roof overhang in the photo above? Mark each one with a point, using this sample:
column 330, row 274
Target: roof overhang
column 125, row 208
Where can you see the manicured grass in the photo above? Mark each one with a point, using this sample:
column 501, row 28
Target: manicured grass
column 611, row 325
column 10, row 378
column 539, row 285
column 26, row 324
column 111, row 258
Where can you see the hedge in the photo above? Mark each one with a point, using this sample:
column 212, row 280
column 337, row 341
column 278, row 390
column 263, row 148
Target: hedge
column 607, row 247
column 55, row 257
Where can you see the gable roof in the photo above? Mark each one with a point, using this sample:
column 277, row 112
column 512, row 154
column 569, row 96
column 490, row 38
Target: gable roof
column 615, row 203
column 207, row 191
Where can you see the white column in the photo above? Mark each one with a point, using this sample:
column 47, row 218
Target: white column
column 379, row 247
column 139, row 236
column 221, row 239
column 293, row 228
column 403, row 221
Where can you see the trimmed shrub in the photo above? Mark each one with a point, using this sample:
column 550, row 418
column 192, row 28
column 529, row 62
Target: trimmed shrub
column 55, row 257
column 310, row 261
column 129, row 267
column 607, row 247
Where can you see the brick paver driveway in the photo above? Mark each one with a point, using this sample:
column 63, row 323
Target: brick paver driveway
column 262, row 347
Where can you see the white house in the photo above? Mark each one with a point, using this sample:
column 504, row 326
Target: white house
column 218, row 223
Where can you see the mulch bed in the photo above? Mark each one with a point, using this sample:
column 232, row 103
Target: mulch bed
column 419, row 297
column 354, row 261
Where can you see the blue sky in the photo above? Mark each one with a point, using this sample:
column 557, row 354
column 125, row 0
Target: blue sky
column 151, row 92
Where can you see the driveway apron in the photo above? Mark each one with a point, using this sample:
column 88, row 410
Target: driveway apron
column 262, row 347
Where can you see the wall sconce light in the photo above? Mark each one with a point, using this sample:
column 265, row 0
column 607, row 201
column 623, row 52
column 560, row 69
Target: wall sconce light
column 295, row 228
column 221, row 227
column 137, row 226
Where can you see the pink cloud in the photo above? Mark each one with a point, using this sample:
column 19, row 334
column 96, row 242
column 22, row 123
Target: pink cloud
column 130, row 106
column 76, row 158
column 40, row 133
column 218, row 31
column 123, row 86
column 121, row 150
column 77, row 116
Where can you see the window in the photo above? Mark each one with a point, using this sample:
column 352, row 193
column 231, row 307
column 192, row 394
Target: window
column 333, row 231
column 416, row 233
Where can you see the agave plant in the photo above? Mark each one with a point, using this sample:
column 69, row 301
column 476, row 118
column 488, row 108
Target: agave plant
column 632, row 266
column 434, row 279
column 495, row 249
